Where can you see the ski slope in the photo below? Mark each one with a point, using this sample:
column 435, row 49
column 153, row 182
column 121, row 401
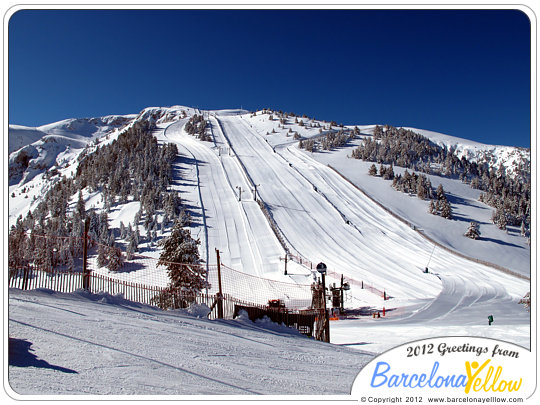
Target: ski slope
column 234, row 222
column 324, row 218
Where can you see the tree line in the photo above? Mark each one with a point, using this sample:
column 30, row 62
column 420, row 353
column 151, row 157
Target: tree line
column 510, row 195
column 197, row 126
column 416, row 184
column 134, row 167
column 329, row 140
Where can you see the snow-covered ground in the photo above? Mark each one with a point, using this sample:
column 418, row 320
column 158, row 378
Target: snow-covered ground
column 72, row 344
column 321, row 217
column 507, row 249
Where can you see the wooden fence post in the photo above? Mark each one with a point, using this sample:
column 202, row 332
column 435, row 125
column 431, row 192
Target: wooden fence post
column 86, row 276
column 326, row 314
column 26, row 277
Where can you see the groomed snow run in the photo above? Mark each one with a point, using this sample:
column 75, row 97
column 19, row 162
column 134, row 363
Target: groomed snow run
column 324, row 218
column 71, row 344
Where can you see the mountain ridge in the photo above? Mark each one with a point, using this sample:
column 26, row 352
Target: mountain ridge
column 74, row 132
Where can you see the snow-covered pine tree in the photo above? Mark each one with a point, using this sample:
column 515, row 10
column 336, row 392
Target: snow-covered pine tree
column 115, row 258
column 16, row 245
column 81, row 208
column 446, row 209
column 389, row 173
column 123, row 230
column 131, row 248
column 184, row 218
column 421, row 190
column 440, row 192
column 372, row 170
column 382, row 170
column 180, row 255
column 102, row 259
column 499, row 218
column 433, row 208
column 474, row 230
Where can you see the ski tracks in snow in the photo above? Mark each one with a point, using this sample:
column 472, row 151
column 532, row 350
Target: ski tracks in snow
column 233, row 221
column 325, row 218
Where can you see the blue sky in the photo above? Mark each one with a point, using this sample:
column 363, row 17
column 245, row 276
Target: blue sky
column 463, row 73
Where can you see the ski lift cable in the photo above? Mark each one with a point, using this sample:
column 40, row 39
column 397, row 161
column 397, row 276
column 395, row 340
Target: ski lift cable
column 429, row 261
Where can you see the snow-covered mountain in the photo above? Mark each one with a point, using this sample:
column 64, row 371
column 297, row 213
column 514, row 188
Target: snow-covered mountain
column 46, row 146
column 78, row 128
column 36, row 150
column 256, row 196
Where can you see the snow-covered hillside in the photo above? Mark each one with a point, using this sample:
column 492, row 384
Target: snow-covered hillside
column 36, row 150
column 509, row 156
column 505, row 248
column 322, row 207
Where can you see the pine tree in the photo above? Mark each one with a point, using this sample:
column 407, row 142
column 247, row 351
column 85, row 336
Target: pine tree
column 123, row 230
column 131, row 248
column 474, row 231
column 115, row 259
column 421, row 191
column 81, row 209
column 433, row 208
column 372, row 170
column 446, row 209
column 440, row 192
column 137, row 236
column 184, row 218
column 180, row 255
column 102, row 259
column 70, row 261
column 43, row 253
column 389, row 173
column 499, row 218
column 382, row 171
column 16, row 245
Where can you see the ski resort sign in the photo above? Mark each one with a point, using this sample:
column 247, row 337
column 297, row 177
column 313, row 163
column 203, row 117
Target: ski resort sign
column 455, row 369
